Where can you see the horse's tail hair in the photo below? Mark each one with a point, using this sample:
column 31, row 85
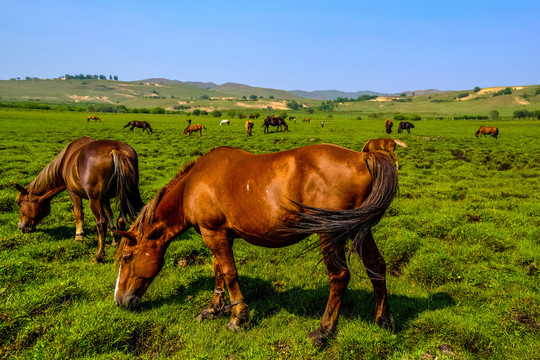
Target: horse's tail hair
column 355, row 224
column 401, row 143
column 127, row 185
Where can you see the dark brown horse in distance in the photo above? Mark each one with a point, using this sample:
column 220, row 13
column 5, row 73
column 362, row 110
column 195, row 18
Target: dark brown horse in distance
column 139, row 124
column 388, row 125
column 275, row 121
column 405, row 125
column 93, row 117
column 97, row 170
column 489, row 130
column 194, row 128
column 386, row 146
column 335, row 192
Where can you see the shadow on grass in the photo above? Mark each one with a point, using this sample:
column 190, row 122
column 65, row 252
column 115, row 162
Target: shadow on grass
column 267, row 299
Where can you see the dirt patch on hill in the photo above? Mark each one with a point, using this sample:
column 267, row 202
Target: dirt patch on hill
column 521, row 101
column 276, row 105
column 79, row 98
column 384, row 98
column 490, row 90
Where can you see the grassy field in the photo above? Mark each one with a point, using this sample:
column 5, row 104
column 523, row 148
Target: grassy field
column 461, row 241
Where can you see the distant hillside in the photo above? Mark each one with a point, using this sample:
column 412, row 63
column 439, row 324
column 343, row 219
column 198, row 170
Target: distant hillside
column 201, row 85
column 333, row 94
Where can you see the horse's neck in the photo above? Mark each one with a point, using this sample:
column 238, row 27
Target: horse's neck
column 50, row 178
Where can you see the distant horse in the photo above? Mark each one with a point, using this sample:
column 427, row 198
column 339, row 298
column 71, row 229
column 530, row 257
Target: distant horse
column 224, row 122
column 275, row 121
column 335, row 192
column 293, row 119
column 306, row 120
column 242, row 116
column 388, row 125
column 489, row 130
column 384, row 145
column 87, row 169
column 93, row 117
column 322, row 123
column 139, row 124
column 251, row 116
column 249, row 127
column 194, row 128
column 405, row 125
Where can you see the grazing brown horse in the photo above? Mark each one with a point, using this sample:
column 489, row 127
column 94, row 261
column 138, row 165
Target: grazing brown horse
column 405, row 125
column 284, row 194
column 384, row 145
column 306, row 120
column 139, row 124
column 249, row 127
column 97, row 170
column 275, row 121
column 93, row 117
column 388, row 125
column 489, row 130
column 194, row 128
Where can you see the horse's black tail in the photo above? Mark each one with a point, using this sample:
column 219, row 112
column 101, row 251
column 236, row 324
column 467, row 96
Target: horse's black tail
column 126, row 174
column 339, row 226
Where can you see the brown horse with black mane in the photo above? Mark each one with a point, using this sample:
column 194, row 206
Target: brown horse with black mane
column 325, row 189
column 388, row 125
column 387, row 146
column 489, row 130
column 93, row 117
column 194, row 128
column 97, row 170
column 145, row 126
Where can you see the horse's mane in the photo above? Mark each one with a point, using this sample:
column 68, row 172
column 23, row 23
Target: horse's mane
column 146, row 216
column 46, row 179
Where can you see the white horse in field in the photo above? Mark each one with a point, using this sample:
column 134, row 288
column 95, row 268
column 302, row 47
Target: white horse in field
column 224, row 121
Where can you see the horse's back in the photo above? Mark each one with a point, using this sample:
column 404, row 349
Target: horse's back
column 251, row 194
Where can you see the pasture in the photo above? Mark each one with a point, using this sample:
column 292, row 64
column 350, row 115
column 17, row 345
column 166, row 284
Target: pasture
column 461, row 242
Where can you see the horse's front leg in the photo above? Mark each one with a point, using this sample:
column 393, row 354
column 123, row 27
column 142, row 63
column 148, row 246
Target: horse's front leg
column 101, row 225
column 216, row 307
column 338, row 279
column 221, row 246
column 78, row 215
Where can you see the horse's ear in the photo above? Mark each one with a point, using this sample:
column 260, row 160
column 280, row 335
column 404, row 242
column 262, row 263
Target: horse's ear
column 132, row 240
column 21, row 189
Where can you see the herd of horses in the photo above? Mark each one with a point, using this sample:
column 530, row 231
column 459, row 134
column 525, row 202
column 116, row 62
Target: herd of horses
column 324, row 189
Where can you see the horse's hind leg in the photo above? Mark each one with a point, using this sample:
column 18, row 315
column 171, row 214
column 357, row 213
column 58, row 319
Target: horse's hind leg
column 221, row 246
column 338, row 279
column 110, row 222
column 376, row 270
column 101, row 225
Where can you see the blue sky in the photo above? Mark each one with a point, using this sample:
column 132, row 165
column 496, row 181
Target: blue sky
column 386, row 46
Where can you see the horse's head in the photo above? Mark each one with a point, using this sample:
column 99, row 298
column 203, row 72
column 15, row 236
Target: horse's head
column 477, row 133
column 34, row 208
column 140, row 259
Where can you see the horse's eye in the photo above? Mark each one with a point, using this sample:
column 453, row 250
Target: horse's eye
column 127, row 257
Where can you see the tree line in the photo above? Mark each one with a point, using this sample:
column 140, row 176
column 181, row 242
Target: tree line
column 90, row 77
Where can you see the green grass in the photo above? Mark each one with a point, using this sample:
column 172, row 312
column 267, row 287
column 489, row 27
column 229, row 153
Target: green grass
column 461, row 242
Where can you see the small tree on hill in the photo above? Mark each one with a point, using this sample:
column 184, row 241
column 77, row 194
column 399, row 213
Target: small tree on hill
column 493, row 115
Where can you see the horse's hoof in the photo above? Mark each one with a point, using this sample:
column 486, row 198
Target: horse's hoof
column 97, row 259
column 205, row 315
column 79, row 237
column 386, row 323
column 234, row 326
column 318, row 338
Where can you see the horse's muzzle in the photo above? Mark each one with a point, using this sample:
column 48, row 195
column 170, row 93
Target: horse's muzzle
column 25, row 228
column 130, row 302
